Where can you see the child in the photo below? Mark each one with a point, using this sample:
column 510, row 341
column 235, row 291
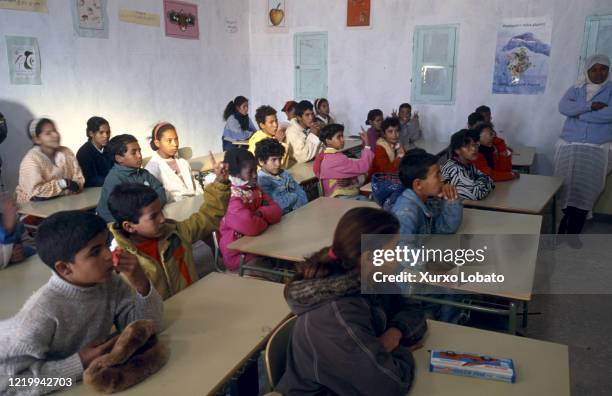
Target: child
column 275, row 181
column 474, row 119
column 321, row 107
column 489, row 161
column 499, row 143
column 250, row 211
column 459, row 171
column 127, row 169
column 303, row 134
column 94, row 159
column 48, row 170
column 345, row 342
column 173, row 172
column 410, row 127
column 11, row 249
column 375, row 120
column 289, row 110
column 265, row 116
column 389, row 151
column 238, row 125
column 164, row 247
column 66, row 324
column 337, row 172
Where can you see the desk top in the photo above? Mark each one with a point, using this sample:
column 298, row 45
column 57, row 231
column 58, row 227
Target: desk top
column 18, row 282
column 523, row 155
column 184, row 208
column 211, row 329
column 85, row 200
column 302, row 172
column 527, row 194
column 542, row 367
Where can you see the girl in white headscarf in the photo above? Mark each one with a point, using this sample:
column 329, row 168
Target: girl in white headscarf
column 583, row 152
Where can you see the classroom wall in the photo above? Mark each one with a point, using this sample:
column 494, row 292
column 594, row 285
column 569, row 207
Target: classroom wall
column 372, row 67
column 134, row 78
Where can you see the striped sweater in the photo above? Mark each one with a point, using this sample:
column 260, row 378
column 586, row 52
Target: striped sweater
column 41, row 177
column 469, row 181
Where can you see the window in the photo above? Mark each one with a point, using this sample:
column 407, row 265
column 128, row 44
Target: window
column 597, row 38
column 433, row 74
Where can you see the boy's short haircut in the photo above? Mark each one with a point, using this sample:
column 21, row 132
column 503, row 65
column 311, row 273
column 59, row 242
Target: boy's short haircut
column 62, row 235
column 390, row 122
column 301, row 108
column 405, row 106
column 483, row 109
column 329, row 130
column 236, row 158
column 118, row 145
column 474, row 119
column 460, row 139
column 127, row 200
column 267, row 148
column 415, row 165
column 262, row 112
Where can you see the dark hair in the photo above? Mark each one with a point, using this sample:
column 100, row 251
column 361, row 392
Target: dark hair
column 483, row 109
column 479, row 128
column 157, row 134
column 289, row 105
column 415, row 165
column 405, row 106
column 94, row 123
column 329, row 130
column 267, row 148
column 301, row 107
column 390, row 122
column 127, row 200
column 118, row 145
column 460, row 139
column 232, row 106
column 346, row 245
column 317, row 103
column 372, row 114
column 41, row 123
column 474, row 119
column 262, row 112
column 62, row 235
column 236, row 159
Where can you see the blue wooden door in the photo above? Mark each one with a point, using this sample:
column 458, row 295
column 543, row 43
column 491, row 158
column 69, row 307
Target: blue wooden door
column 310, row 58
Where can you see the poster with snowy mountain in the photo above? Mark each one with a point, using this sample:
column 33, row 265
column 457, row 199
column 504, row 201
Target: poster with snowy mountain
column 522, row 54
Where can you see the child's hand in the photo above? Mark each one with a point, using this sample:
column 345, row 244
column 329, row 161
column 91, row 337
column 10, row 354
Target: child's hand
column 129, row 266
column 415, row 116
column 390, row 339
column 9, row 212
column 394, row 113
column 18, row 253
column 95, row 349
column 401, row 151
column 280, row 135
column 315, row 128
column 364, row 136
column 449, row 192
column 220, row 169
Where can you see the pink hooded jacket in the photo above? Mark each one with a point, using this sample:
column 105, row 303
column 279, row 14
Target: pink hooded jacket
column 338, row 173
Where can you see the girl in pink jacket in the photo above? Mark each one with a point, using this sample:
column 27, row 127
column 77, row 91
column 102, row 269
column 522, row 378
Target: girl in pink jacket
column 249, row 211
column 338, row 173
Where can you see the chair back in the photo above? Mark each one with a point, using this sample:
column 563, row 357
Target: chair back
column 275, row 355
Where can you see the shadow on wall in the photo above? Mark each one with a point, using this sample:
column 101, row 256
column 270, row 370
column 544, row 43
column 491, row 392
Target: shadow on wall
column 17, row 142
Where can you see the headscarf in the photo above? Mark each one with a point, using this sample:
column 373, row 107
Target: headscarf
column 591, row 88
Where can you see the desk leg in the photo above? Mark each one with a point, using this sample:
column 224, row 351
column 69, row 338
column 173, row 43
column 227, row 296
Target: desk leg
column 553, row 215
column 512, row 311
column 525, row 313
column 241, row 268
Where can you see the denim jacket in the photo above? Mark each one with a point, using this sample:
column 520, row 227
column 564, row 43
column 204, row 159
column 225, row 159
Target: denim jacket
column 283, row 189
column 435, row 216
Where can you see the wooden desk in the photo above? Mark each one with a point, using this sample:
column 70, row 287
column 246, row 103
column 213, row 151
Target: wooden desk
column 302, row 172
column 211, row 328
column 523, row 157
column 181, row 210
column 85, row 200
column 18, row 282
column 542, row 367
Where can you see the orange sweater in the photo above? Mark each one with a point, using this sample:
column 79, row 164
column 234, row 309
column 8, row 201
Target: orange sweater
column 502, row 169
column 382, row 163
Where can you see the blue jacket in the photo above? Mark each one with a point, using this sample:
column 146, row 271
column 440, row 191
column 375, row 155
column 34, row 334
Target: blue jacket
column 583, row 125
column 14, row 237
column 234, row 132
column 436, row 216
column 283, row 189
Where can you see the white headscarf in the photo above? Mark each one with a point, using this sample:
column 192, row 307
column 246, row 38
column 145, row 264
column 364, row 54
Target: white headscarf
column 591, row 88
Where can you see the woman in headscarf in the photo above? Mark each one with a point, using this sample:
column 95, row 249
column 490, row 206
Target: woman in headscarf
column 583, row 156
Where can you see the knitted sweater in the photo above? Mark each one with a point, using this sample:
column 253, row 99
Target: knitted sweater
column 94, row 164
column 44, row 338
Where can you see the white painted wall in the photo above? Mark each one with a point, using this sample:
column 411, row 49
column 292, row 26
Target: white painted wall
column 372, row 67
column 135, row 78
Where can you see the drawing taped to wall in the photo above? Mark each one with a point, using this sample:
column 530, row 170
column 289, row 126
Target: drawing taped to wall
column 24, row 60
column 181, row 19
column 358, row 13
column 276, row 13
column 90, row 19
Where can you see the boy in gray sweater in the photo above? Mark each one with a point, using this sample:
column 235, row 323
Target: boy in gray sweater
column 66, row 324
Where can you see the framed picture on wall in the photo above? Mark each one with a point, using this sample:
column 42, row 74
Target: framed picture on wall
column 181, row 19
column 276, row 13
column 358, row 13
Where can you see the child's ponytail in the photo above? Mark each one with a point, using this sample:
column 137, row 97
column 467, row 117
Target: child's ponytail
column 232, row 106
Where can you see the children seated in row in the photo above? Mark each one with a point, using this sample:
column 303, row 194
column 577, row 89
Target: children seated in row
column 93, row 157
column 48, row 169
column 410, row 126
column 489, row 161
column 173, row 172
column 266, row 119
column 339, row 174
column 162, row 246
column 66, row 324
column 345, row 342
column 274, row 180
column 250, row 211
column 374, row 121
column 238, row 125
column 127, row 169
column 389, row 151
column 322, row 115
column 459, row 171
column 303, row 134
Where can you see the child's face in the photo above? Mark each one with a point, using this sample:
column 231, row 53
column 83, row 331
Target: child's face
column 468, row 152
column 168, row 144
column 272, row 165
column 486, row 137
column 487, row 117
column 243, row 108
column 92, row 265
column 306, row 119
column 324, row 108
column 431, row 186
column 101, row 136
column 151, row 223
column 391, row 135
column 270, row 125
column 49, row 137
column 132, row 157
column 404, row 114
column 336, row 142
column 249, row 173
column 376, row 123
